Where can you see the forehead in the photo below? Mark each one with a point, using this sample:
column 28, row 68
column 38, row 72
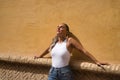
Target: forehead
column 61, row 26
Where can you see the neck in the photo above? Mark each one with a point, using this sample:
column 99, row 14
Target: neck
column 61, row 39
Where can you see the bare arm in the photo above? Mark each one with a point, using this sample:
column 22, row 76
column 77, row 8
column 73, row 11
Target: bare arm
column 43, row 54
column 79, row 47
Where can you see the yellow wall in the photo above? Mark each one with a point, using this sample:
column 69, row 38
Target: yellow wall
column 27, row 26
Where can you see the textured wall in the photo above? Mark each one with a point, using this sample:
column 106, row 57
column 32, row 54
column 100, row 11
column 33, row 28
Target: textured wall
column 19, row 68
column 27, row 26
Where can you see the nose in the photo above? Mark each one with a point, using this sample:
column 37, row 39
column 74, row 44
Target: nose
column 58, row 28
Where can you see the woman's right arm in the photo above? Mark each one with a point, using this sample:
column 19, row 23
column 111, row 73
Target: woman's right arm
column 43, row 54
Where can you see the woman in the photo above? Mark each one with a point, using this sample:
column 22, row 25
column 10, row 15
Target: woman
column 60, row 50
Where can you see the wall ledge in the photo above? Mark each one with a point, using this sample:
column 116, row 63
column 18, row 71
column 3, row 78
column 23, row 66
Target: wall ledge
column 75, row 64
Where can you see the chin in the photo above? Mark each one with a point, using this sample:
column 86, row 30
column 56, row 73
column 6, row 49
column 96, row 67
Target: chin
column 59, row 35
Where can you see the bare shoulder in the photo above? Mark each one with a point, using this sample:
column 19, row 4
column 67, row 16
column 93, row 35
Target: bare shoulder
column 73, row 41
column 70, row 39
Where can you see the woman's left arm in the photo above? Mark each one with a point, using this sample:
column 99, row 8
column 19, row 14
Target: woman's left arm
column 79, row 47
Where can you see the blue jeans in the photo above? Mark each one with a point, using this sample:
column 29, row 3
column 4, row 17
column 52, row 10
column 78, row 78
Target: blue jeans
column 63, row 73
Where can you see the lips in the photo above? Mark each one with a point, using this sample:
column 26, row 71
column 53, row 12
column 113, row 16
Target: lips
column 58, row 31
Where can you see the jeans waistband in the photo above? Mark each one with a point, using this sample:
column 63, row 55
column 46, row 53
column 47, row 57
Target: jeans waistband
column 64, row 69
column 61, row 67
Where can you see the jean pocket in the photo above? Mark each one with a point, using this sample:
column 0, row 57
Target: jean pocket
column 67, row 75
column 66, row 70
column 51, row 69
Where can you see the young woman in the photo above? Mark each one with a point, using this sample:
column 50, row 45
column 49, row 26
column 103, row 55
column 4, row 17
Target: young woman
column 60, row 50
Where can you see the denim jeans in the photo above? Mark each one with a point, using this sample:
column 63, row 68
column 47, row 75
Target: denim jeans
column 63, row 73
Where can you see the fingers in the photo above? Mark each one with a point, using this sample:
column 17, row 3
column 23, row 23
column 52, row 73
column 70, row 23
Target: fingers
column 101, row 65
column 35, row 57
column 104, row 64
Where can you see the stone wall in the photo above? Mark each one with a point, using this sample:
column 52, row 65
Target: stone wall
column 23, row 68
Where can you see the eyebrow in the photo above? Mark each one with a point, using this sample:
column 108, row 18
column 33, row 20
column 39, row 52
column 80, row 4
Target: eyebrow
column 61, row 26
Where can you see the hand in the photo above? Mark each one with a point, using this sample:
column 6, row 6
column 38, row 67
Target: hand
column 101, row 63
column 36, row 57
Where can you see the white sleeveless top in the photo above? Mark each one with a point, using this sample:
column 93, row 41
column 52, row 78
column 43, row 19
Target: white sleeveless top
column 60, row 55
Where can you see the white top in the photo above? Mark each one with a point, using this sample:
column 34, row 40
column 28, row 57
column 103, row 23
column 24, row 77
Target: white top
column 60, row 55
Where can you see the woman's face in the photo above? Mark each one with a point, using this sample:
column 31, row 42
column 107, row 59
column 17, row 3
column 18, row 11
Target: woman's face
column 61, row 30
